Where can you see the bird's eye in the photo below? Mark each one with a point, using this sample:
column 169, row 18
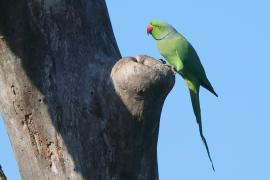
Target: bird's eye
column 158, row 26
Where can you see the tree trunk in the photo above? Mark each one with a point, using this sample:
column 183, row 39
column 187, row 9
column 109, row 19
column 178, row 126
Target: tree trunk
column 2, row 174
column 71, row 114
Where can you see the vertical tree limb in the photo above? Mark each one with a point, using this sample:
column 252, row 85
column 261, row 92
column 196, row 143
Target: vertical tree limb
column 67, row 115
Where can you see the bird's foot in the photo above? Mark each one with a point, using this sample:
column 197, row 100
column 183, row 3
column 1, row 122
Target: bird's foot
column 163, row 61
column 172, row 68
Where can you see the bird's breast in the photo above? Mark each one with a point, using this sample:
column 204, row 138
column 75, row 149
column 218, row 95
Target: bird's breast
column 166, row 49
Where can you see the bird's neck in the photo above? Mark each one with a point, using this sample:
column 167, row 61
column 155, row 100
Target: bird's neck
column 166, row 35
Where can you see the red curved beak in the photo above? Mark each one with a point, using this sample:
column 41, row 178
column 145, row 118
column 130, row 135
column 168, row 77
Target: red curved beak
column 149, row 29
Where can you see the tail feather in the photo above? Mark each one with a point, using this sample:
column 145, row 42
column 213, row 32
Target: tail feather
column 194, row 94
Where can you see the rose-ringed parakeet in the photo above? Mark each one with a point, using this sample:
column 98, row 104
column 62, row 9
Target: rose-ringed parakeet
column 185, row 61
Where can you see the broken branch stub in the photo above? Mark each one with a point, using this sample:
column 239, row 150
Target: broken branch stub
column 142, row 83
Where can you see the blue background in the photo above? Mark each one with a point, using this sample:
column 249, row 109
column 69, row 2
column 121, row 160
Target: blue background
column 232, row 39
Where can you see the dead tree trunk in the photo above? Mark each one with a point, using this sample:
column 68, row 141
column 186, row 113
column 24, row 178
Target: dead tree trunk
column 66, row 118
column 2, row 174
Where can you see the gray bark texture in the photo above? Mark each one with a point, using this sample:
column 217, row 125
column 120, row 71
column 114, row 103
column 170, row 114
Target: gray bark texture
column 72, row 110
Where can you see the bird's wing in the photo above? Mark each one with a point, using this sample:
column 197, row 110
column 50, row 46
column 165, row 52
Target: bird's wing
column 193, row 66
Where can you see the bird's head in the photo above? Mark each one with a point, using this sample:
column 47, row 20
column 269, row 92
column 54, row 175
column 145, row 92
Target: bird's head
column 159, row 29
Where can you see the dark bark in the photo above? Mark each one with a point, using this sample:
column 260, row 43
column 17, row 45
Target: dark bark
column 65, row 118
column 2, row 174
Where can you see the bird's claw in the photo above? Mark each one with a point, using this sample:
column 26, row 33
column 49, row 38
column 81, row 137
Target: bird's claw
column 171, row 67
column 163, row 61
column 168, row 65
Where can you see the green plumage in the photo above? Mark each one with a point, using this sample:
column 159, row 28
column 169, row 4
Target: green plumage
column 185, row 61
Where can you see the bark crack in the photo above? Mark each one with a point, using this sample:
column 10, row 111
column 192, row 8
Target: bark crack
column 14, row 97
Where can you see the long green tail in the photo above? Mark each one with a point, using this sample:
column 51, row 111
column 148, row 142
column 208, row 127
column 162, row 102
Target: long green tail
column 194, row 94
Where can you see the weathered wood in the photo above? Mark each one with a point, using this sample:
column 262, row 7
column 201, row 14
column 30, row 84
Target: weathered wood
column 142, row 84
column 65, row 118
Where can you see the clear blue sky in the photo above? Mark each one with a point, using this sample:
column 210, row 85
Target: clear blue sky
column 232, row 39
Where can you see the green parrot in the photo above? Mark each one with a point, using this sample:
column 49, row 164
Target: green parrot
column 184, row 60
